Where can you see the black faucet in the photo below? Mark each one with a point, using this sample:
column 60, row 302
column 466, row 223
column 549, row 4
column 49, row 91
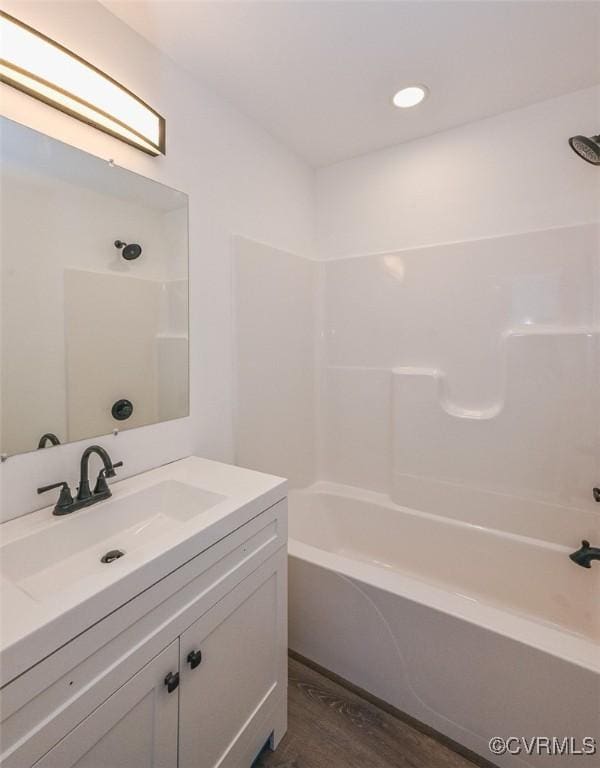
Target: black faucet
column 585, row 554
column 85, row 497
column 49, row 437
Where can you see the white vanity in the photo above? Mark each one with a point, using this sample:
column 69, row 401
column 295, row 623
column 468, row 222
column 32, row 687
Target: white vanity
column 170, row 656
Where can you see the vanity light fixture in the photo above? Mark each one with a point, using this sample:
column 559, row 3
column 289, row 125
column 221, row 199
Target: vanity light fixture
column 410, row 96
column 42, row 68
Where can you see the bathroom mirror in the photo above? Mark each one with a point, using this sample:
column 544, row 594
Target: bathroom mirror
column 94, row 295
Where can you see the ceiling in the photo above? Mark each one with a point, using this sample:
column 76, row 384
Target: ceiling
column 320, row 76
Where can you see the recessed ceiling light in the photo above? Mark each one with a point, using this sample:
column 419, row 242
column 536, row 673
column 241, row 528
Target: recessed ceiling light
column 410, row 96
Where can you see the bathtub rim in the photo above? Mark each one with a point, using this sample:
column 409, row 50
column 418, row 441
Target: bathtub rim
column 332, row 488
column 556, row 641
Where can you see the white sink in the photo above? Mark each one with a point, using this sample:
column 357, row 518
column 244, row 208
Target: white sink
column 52, row 583
column 67, row 550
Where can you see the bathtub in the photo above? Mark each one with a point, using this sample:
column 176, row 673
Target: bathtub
column 477, row 633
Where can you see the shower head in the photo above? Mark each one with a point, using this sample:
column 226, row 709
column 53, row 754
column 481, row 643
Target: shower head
column 587, row 148
column 131, row 251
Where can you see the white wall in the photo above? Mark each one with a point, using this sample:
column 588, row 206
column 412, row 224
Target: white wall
column 507, row 174
column 240, row 181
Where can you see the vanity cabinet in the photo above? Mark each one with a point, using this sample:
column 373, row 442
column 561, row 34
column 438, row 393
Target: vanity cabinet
column 135, row 728
column 237, row 641
column 190, row 674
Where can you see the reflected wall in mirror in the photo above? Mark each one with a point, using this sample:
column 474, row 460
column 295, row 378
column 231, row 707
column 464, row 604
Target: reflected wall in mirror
column 94, row 295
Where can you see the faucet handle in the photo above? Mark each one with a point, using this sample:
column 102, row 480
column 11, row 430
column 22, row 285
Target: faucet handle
column 65, row 500
column 111, row 471
column 101, row 484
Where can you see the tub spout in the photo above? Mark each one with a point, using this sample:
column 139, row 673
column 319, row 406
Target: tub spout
column 585, row 554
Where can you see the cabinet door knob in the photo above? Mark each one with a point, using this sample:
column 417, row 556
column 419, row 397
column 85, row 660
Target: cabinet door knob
column 194, row 658
column 172, row 681
column 596, row 493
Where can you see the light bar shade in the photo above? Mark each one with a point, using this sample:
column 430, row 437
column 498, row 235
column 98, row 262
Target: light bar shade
column 46, row 70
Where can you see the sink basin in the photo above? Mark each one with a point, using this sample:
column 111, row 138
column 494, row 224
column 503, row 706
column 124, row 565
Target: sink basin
column 53, row 585
column 68, row 550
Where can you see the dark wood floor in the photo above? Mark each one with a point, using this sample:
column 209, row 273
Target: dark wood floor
column 332, row 727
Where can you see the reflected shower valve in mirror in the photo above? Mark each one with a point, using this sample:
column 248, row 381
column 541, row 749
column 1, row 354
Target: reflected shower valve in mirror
column 122, row 409
column 129, row 251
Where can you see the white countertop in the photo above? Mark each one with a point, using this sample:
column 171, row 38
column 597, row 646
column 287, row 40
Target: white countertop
column 31, row 629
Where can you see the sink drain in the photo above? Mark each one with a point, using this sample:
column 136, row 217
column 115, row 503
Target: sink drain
column 114, row 554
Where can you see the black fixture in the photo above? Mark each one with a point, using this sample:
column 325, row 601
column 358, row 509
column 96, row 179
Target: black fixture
column 130, row 251
column 194, row 658
column 49, row 437
column 586, row 147
column 122, row 409
column 585, row 554
column 111, row 556
column 172, row 681
column 85, row 497
column 83, row 492
column 596, row 494
column 65, row 502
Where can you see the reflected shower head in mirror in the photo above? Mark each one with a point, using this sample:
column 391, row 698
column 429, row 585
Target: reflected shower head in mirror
column 586, row 147
column 130, row 251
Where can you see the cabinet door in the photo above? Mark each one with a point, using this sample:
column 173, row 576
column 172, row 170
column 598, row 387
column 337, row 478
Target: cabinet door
column 135, row 728
column 234, row 696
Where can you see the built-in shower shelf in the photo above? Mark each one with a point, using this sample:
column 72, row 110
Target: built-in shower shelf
column 439, row 378
column 524, row 364
column 551, row 330
column 172, row 336
column 546, row 395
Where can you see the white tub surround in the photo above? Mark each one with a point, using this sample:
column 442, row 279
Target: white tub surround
column 85, row 643
column 457, row 359
column 474, row 631
column 469, row 364
column 274, row 363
